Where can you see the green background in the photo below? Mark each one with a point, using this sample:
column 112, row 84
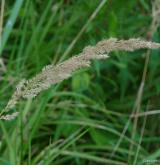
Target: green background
column 79, row 121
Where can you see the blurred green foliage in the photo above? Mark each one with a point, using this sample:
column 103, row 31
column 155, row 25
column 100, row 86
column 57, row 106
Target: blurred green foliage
column 80, row 120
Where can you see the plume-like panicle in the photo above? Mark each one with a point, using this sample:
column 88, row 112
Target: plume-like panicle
column 54, row 74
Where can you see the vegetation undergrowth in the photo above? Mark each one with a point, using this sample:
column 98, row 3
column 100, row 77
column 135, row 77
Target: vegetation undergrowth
column 105, row 114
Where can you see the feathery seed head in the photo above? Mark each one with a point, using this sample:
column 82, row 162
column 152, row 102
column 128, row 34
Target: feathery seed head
column 54, row 74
